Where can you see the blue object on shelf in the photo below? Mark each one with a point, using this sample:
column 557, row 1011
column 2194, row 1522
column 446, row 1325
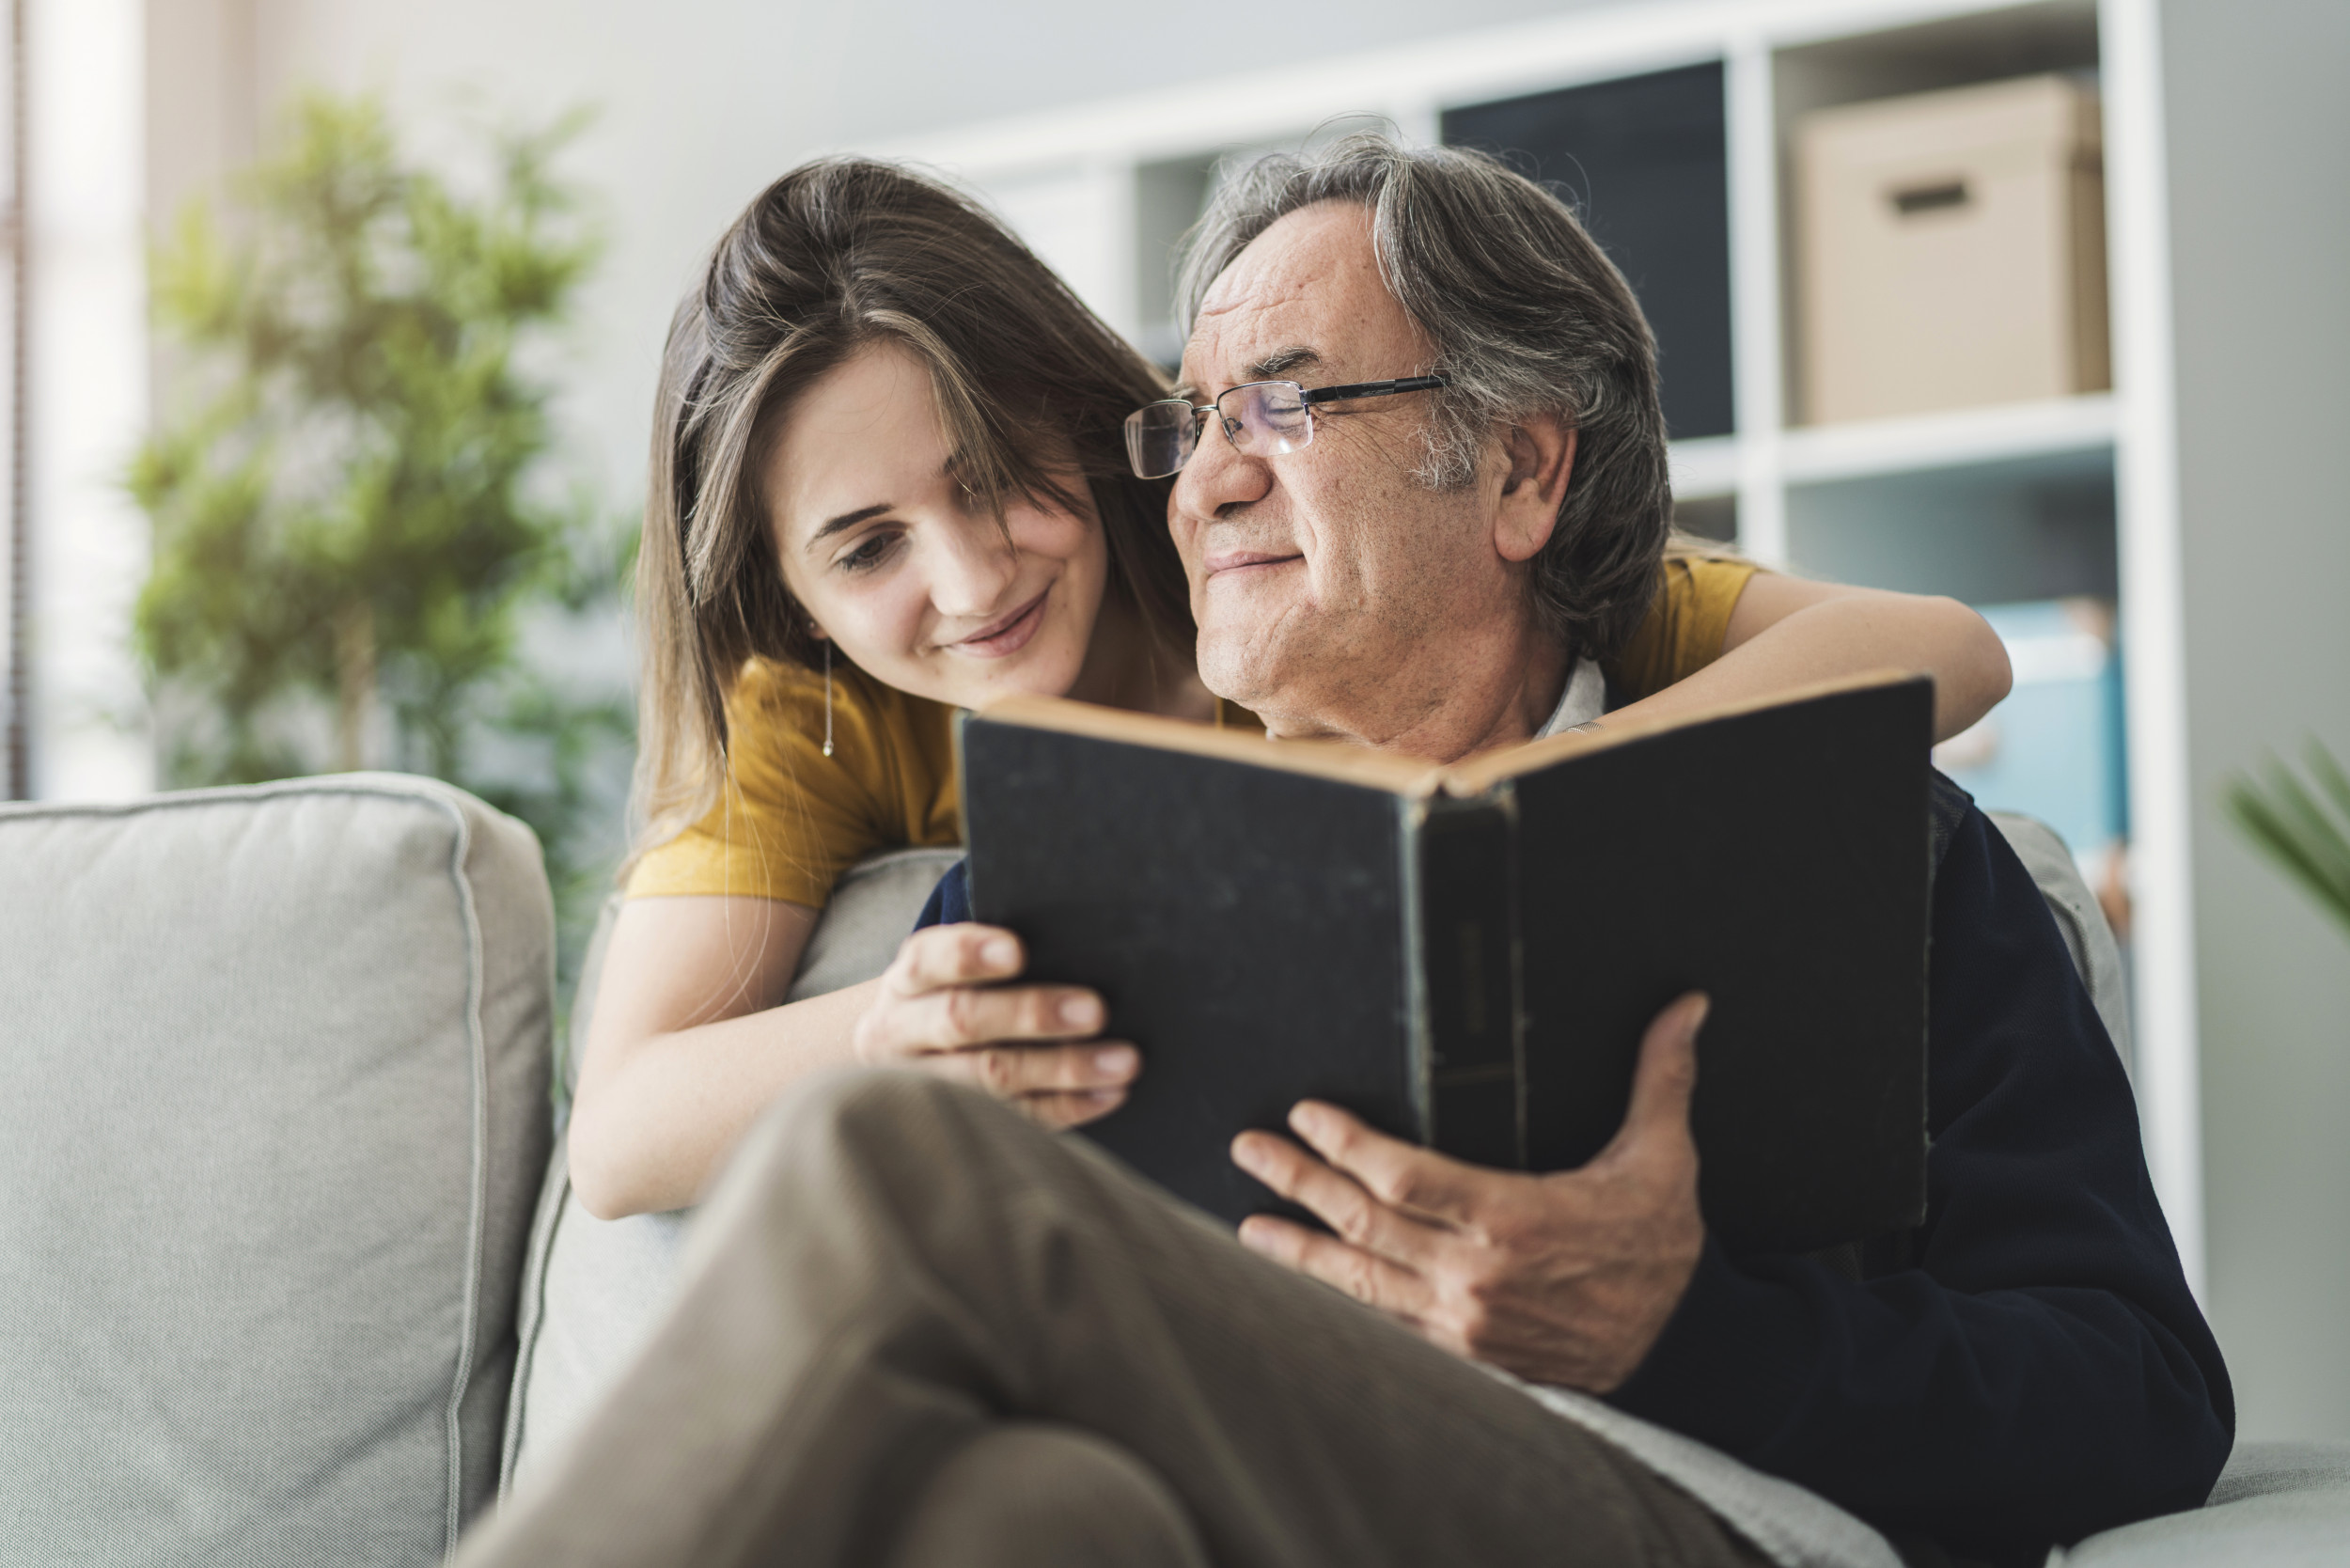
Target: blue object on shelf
column 2054, row 748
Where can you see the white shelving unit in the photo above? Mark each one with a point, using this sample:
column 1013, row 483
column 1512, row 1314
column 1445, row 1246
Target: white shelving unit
column 1103, row 190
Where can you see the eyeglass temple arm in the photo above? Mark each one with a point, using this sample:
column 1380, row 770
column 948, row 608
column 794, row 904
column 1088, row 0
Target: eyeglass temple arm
column 1373, row 388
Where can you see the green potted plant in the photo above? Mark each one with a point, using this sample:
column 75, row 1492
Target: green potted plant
column 353, row 502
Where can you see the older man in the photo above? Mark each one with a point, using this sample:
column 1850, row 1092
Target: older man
column 920, row 1330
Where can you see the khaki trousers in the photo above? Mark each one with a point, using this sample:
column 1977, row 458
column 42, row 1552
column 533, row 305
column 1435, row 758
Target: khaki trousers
column 918, row 1330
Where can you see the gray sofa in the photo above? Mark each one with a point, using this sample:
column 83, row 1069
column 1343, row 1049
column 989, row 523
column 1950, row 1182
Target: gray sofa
column 287, row 1274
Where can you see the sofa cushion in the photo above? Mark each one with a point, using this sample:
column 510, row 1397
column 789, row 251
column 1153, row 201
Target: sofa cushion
column 2278, row 1505
column 596, row 1287
column 277, row 1116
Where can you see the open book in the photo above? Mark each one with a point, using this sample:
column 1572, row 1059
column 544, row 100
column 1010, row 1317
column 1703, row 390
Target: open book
column 1468, row 956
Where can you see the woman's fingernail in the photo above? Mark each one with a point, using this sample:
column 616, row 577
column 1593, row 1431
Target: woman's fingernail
column 1001, row 953
column 1081, row 1013
column 1119, row 1062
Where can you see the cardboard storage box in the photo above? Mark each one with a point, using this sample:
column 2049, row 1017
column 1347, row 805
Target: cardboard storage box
column 1951, row 250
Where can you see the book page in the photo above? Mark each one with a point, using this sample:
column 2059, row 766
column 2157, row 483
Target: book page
column 1332, row 759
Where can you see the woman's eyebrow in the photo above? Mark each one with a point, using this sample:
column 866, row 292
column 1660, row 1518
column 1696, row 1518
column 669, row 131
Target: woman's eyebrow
column 846, row 520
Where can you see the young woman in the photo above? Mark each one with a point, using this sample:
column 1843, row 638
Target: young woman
column 888, row 481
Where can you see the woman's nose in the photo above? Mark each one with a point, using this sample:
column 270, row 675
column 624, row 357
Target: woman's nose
column 975, row 563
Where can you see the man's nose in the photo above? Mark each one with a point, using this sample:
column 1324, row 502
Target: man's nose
column 974, row 563
column 1219, row 476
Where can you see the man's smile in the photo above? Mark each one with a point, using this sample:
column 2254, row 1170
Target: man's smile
column 1220, row 563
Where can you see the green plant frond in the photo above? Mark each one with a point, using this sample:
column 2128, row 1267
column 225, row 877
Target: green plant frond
column 2323, row 840
column 2295, row 829
column 2277, row 831
column 2329, row 776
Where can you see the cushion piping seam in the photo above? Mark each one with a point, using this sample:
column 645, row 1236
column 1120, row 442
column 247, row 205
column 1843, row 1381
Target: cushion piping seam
column 430, row 791
column 477, row 1197
column 531, row 1314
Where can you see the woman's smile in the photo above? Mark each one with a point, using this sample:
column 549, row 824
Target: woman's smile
column 1009, row 636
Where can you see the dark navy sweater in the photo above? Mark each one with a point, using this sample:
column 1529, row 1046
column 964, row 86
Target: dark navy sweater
column 2028, row 1366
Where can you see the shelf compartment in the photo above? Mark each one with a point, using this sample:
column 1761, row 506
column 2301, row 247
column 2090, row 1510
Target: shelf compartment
column 1644, row 162
column 1974, row 48
column 2040, row 526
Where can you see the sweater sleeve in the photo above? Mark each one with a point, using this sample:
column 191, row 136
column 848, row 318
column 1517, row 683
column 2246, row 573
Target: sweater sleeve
column 2039, row 1370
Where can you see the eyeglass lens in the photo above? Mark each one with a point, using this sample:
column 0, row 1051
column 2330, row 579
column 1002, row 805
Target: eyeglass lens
column 1264, row 418
column 1160, row 438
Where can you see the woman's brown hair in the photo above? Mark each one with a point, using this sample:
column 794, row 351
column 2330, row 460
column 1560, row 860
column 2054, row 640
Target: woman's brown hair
column 838, row 254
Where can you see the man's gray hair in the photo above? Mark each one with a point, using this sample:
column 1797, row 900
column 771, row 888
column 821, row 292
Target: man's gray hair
column 1527, row 316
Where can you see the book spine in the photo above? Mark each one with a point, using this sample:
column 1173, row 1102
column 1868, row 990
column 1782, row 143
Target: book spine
column 1462, row 963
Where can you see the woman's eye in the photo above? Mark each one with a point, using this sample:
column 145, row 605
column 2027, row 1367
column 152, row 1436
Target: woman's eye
column 869, row 553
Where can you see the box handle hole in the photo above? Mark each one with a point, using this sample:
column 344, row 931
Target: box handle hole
column 1913, row 199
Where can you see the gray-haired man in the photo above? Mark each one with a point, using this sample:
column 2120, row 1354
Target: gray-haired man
column 919, row 1330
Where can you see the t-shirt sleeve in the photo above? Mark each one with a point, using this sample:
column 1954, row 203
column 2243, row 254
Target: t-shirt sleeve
column 789, row 819
column 1683, row 632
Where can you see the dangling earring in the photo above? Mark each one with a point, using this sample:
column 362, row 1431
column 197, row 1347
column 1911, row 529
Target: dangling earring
column 827, row 697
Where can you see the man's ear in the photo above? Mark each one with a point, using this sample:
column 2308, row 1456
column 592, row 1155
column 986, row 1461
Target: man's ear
column 1539, row 451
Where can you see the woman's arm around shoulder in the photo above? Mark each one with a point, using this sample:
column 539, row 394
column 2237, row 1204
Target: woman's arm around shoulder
column 1785, row 632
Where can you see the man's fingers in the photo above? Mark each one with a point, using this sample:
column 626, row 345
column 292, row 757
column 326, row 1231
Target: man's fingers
column 1336, row 1198
column 1367, row 1278
column 1400, row 1175
column 1665, row 1078
column 1019, row 1072
column 962, row 954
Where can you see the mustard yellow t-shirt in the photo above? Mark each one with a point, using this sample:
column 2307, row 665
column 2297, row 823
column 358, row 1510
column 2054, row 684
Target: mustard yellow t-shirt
column 792, row 819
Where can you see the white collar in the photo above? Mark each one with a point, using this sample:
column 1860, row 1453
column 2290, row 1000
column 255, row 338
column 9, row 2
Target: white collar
column 1585, row 699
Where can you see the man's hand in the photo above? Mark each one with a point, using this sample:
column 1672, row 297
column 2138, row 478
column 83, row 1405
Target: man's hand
column 1565, row 1279
column 941, row 1011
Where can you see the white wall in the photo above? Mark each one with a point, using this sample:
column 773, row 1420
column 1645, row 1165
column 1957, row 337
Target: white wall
column 2259, row 134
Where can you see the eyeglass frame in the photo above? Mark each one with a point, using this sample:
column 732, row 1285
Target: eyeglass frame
column 1306, row 398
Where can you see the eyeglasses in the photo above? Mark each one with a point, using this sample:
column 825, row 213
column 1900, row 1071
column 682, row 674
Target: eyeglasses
column 1262, row 418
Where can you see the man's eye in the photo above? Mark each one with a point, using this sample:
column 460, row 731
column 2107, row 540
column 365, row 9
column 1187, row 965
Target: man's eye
column 869, row 553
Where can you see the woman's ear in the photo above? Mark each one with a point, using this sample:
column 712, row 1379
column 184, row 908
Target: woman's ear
column 1539, row 451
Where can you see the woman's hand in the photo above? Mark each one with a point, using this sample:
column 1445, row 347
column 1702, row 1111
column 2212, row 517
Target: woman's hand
column 941, row 1009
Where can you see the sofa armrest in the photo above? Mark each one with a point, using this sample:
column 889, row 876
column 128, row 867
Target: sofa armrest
column 278, row 1110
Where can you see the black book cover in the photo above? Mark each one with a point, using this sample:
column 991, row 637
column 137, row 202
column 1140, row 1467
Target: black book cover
column 1468, row 956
